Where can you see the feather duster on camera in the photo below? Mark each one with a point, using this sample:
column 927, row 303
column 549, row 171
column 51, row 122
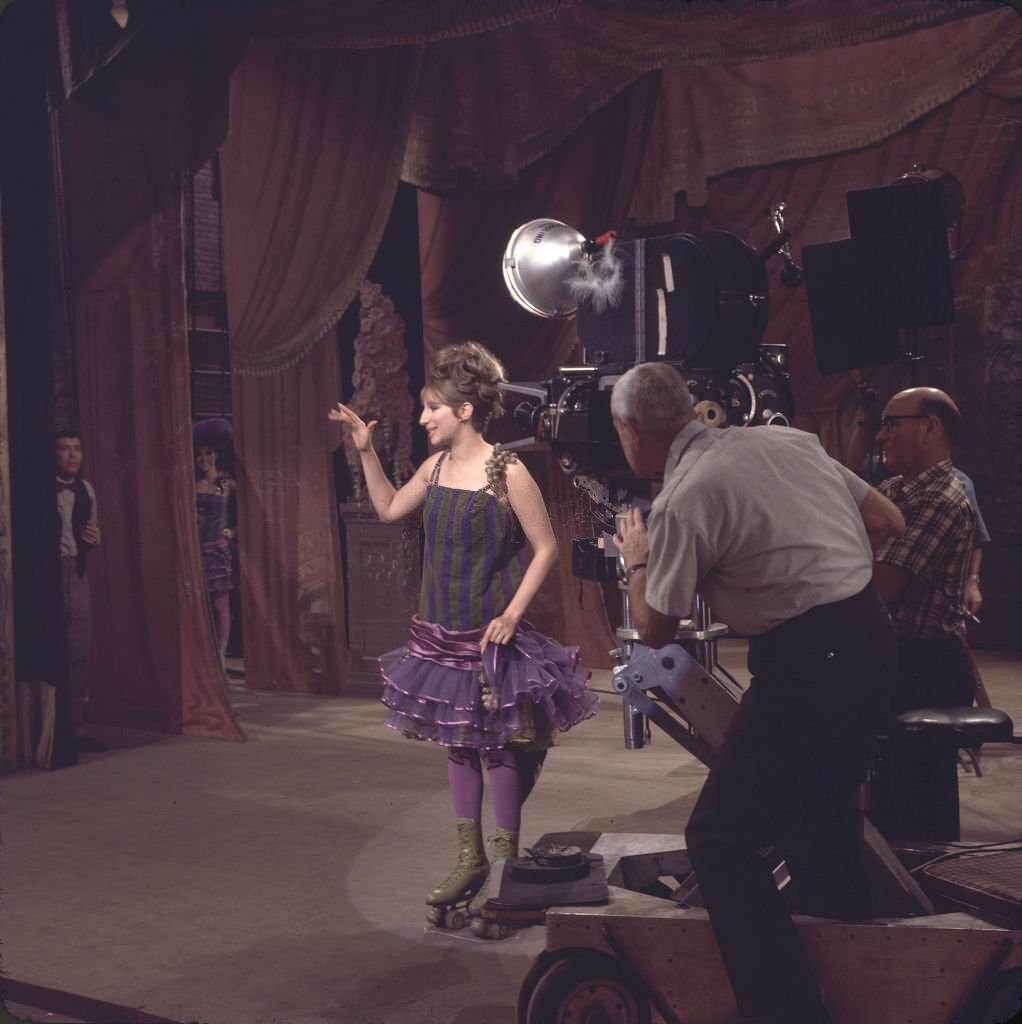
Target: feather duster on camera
column 599, row 280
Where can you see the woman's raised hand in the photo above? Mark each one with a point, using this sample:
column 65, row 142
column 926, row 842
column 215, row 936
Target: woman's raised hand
column 361, row 432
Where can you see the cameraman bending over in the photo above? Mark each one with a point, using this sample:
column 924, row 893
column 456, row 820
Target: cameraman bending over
column 772, row 532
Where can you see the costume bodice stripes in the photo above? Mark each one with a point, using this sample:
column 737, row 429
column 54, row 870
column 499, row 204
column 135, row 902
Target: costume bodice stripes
column 213, row 515
column 473, row 559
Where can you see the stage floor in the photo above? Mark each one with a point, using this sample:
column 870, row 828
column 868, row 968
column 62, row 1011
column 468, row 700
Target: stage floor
column 281, row 880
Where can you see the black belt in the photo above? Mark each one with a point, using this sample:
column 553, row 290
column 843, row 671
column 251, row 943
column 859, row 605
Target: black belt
column 816, row 626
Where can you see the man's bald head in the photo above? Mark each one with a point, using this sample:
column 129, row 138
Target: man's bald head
column 923, row 401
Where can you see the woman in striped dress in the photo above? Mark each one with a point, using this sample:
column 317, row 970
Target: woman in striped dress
column 216, row 516
column 474, row 677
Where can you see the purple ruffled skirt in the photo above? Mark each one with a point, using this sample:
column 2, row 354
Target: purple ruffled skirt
column 440, row 688
column 218, row 564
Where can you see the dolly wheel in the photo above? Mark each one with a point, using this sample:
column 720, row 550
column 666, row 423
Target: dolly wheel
column 586, row 987
column 1003, row 1002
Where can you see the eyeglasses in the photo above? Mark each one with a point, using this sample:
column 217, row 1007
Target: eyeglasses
column 886, row 421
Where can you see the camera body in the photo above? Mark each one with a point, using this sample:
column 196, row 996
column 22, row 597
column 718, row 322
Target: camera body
column 571, row 411
column 699, row 304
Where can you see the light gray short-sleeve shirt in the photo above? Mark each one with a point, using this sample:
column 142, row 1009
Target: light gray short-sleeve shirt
column 761, row 521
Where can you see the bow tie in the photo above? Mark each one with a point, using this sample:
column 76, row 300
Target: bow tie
column 61, row 486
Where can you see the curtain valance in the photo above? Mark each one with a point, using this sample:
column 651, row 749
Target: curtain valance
column 719, row 119
column 642, row 34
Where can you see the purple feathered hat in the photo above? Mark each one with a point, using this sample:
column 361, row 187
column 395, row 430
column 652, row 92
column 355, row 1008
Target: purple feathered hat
column 215, row 432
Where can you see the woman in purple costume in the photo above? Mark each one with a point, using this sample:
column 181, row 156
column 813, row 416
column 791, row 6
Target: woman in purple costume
column 215, row 515
column 475, row 677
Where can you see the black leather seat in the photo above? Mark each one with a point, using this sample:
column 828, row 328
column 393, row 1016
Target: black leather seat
column 914, row 788
column 962, row 727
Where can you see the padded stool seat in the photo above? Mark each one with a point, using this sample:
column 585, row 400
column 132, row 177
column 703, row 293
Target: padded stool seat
column 964, row 727
column 914, row 787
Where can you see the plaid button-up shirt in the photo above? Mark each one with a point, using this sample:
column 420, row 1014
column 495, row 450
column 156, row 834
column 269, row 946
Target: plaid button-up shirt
column 935, row 548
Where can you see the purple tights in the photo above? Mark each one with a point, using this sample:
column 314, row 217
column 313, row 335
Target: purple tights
column 221, row 602
column 465, row 774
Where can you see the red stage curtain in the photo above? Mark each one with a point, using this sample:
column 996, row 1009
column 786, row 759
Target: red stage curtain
column 641, row 33
column 587, row 184
column 310, row 167
column 976, row 137
column 717, row 119
column 750, row 83
column 127, row 141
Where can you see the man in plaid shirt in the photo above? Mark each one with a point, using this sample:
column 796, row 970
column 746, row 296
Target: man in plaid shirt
column 922, row 575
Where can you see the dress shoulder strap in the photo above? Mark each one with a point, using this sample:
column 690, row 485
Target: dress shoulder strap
column 496, row 470
column 434, row 477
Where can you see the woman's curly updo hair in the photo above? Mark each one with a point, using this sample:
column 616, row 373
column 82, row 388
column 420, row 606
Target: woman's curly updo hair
column 469, row 372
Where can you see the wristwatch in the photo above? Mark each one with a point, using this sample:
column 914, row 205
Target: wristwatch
column 633, row 569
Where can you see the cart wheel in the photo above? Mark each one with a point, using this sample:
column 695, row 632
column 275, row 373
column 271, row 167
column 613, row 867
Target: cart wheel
column 539, row 967
column 585, row 987
column 1004, row 1000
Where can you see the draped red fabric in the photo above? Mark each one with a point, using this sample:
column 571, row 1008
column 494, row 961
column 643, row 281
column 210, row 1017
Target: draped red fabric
column 292, row 589
column 309, row 168
column 748, row 83
column 309, row 171
column 977, row 138
column 588, row 184
column 639, row 33
column 127, row 142
column 712, row 120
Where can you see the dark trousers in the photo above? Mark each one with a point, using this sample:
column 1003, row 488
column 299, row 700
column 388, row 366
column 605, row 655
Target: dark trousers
column 933, row 674
column 788, row 776
column 914, row 790
column 78, row 637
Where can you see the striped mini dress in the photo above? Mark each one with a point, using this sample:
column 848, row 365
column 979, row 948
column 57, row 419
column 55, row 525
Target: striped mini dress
column 214, row 513
column 439, row 687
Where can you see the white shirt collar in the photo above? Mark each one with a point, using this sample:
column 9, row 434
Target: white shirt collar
column 681, row 444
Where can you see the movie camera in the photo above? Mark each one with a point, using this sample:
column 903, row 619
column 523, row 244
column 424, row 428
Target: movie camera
column 699, row 303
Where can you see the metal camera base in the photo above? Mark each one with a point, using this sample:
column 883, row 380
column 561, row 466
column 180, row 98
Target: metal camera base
column 641, row 955
column 646, row 955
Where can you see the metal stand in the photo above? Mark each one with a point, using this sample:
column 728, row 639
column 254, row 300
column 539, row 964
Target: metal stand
column 636, row 725
column 697, row 636
column 684, row 690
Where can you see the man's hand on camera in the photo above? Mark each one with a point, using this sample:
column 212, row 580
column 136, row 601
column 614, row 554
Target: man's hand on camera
column 632, row 540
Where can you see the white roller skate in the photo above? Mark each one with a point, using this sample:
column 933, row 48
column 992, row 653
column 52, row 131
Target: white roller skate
column 447, row 904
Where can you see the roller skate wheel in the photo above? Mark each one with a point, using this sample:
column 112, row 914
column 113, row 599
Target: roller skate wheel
column 455, row 919
column 484, row 929
column 435, row 916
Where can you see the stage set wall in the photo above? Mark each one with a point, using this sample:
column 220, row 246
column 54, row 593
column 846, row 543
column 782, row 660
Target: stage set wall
column 603, row 119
